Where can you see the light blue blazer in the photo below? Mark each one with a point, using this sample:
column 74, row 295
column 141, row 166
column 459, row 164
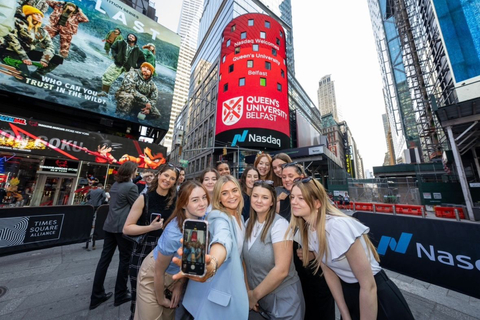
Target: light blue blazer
column 224, row 296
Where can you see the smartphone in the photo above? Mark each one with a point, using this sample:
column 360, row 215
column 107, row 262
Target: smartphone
column 194, row 247
column 154, row 216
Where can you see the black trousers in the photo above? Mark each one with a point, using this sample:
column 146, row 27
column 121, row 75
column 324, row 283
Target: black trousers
column 391, row 303
column 319, row 302
column 112, row 240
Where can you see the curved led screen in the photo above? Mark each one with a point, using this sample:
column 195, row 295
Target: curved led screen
column 252, row 108
column 80, row 55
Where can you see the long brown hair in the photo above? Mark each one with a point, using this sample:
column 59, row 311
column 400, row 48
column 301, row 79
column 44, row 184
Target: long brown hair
column 243, row 178
column 216, row 204
column 172, row 192
column 124, row 173
column 270, row 214
column 182, row 201
column 257, row 160
column 277, row 181
column 312, row 191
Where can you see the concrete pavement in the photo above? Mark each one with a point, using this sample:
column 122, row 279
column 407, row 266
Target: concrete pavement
column 56, row 283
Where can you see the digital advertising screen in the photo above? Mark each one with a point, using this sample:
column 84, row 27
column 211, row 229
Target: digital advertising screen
column 460, row 27
column 252, row 109
column 88, row 55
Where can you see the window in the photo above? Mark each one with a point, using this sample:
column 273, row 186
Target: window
column 278, row 41
column 268, row 65
column 237, row 50
column 274, row 52
column 228, row 43
column 249, row 63
column 250, row 22
column 243, row 35
column 263, row 82
column 225, row 87
column 230, row 68
column 281, row 34
column 233, row 28
column 262, row 34
column 279, row 87
column 282, row 73
column 267, row 24
column 223, row 59
column 255, row 47
column 241, row 82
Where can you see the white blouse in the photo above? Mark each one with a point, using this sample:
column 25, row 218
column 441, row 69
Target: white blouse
column 278, row 230
column 341, row 234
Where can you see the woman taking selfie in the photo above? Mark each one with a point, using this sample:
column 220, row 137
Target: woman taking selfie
column 224, row 295
column 277, row 162
column 263, row 163
column 157, row 294
column 249, row 176
column 268, row 260
column 346, row 255
column 142, row 220
column 208, row 178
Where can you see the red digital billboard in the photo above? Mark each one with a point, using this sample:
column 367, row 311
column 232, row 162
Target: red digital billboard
column 252, row 109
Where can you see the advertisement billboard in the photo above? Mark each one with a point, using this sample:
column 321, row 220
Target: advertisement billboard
column 459, row 22
column 252, row 109
column 89, row 55
column 53, row 140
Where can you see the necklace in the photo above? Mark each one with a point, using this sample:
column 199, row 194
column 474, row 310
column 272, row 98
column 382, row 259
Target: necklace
column 257, row 227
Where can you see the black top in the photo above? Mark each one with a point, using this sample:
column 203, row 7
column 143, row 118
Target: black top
column 157, row 204
column 285, row 210
column 246, row 206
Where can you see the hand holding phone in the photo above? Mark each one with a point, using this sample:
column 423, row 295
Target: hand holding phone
column 156, row 221
column 194, row 247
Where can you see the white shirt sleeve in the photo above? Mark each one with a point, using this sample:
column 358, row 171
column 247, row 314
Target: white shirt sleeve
column 278, row 231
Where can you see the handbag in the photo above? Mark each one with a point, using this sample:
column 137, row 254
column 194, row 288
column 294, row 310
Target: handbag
column 140, row 238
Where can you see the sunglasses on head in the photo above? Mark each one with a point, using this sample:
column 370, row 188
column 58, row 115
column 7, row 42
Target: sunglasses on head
column 173, row 166
column 305, row 180
column 261, row 182
column 290, row 164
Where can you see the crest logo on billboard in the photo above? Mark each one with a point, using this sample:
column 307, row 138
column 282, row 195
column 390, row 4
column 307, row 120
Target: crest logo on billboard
column 232, row 111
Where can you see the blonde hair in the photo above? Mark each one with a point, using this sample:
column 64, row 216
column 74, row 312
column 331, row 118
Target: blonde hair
column 311, row 192
column 217, row 190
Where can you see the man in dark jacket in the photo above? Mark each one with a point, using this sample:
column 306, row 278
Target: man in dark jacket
column 96, row 196
column 126, row 55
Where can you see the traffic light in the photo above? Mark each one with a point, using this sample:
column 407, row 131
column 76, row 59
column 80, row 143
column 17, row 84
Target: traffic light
column 224, row 151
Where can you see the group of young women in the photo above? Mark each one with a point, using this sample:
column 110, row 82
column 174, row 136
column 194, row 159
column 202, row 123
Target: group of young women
column 270, row 261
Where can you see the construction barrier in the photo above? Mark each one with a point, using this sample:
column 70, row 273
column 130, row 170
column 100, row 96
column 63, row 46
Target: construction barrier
column 384, row 207
column 363, row 206
column 449, row 212
column 409, row 209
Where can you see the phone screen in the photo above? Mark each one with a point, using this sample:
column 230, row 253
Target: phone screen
column 194, row 247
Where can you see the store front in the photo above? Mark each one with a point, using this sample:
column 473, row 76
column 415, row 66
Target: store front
column 44, row 164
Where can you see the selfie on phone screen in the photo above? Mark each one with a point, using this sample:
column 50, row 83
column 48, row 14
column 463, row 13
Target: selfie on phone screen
column 194, row 247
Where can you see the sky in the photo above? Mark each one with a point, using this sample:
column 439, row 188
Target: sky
column 332, row 37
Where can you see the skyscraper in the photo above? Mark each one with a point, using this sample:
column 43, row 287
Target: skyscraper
column 326, row 97
column 412, row 59
column 199, row 116
column 188, row 30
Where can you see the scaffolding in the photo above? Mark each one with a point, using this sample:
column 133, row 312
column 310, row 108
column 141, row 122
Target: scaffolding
column 426, row 72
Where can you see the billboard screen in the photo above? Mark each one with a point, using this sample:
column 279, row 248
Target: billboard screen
column 460, row 27
column 252, row 109
column 80, row 55
column 20, row 135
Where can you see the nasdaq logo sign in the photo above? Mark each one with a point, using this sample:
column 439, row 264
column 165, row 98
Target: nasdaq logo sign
column 400, row 246
column 239, row 138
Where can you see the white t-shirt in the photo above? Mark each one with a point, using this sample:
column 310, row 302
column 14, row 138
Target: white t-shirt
column 240, row 234
column 341, row 234
column 279, row 228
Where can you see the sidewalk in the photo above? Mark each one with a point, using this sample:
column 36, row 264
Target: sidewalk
column 56, row 283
